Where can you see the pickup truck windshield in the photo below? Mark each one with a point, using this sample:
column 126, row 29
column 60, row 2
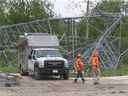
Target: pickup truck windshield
column 48, row 53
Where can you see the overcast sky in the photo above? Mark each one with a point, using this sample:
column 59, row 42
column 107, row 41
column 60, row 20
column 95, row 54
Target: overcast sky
column 69, row 8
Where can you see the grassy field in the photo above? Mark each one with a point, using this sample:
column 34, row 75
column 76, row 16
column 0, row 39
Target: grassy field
column 8, row 69
column 122, row 70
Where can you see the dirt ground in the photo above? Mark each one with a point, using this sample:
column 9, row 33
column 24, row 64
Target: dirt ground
column 109, row 86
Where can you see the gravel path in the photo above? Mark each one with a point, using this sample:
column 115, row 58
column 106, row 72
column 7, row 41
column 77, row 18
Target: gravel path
column 110, row 86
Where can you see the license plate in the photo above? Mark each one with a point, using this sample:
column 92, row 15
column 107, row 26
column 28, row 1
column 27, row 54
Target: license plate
column 55, row 71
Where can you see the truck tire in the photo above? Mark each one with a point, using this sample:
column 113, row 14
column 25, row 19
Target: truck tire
column 65, row 76
column 22, row 72
column 36, row 74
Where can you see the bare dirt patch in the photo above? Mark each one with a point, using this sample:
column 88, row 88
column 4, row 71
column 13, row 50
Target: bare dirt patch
column 112, row 86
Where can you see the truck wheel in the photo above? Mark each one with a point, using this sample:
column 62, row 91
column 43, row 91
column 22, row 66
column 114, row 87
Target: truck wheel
column 22, row 72
column 65, row 76
column 36, row 74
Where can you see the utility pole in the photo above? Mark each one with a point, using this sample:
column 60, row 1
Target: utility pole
column 87, row 20
column 73, row 38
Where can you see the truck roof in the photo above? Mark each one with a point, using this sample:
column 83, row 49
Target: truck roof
column 45, row 49
column 39, row 40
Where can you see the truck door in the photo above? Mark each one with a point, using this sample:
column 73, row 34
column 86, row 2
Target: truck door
column 31, row 61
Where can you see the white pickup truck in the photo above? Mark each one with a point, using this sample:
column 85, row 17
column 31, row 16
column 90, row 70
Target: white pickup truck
column 38, row 55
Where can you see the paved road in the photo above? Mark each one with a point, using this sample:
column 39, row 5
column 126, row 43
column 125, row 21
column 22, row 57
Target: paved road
column 112, row 86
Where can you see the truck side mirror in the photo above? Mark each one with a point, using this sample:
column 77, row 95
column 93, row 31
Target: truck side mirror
column 29, row 57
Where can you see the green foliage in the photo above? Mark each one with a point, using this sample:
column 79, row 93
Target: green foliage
column 8, row 58
column 110, row 5
column 17, row 11
column 3, row 4
column 122, row 70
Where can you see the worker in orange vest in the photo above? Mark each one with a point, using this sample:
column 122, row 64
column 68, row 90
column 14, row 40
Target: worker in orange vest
column 79, row 68
column 95, row 61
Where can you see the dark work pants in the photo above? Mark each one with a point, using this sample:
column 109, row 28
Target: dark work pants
column 79, row 75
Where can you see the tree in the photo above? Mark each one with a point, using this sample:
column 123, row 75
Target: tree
column 110, row 5
column 3, row 5
column 16, row 11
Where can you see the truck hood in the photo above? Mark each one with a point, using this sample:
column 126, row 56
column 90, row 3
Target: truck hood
column 43, row 59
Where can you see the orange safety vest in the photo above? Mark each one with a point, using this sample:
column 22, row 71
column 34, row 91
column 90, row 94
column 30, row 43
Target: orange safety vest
column 95, row 62
column 79, row 66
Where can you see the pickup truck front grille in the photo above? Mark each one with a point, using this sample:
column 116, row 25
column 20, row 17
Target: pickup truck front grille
column 54, row 64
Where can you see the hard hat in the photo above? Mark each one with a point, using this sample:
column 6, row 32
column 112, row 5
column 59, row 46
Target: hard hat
column 79, row 55
column 96, row 52
column 94, row 55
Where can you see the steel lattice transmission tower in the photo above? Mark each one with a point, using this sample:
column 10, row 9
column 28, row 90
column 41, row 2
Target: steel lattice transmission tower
column 70, row 34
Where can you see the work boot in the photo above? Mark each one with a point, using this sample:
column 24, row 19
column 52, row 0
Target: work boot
column 83, row 81
column 75, row 80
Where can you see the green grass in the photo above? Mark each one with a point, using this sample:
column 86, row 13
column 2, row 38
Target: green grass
column 8, row 69
column 122, row 70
